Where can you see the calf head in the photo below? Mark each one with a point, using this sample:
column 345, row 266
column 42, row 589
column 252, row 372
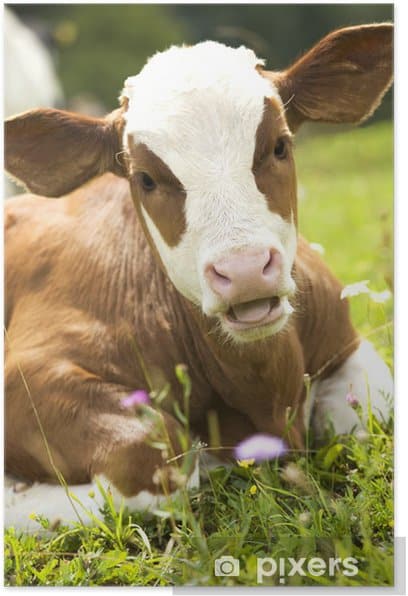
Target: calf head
column 204, row 136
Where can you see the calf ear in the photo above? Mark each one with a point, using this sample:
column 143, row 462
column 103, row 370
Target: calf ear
column 341, row 79
column 53, row 152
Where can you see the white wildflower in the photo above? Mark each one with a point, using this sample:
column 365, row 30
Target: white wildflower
column 360, row 287
column 317, row 247
column 380, row 297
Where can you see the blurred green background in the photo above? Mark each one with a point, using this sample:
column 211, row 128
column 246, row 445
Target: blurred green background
column 96, row 46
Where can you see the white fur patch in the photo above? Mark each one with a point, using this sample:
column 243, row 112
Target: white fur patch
column 368, row 378
column 145, row 500
column 198, row 108
column 52, row 502
column 169, row 78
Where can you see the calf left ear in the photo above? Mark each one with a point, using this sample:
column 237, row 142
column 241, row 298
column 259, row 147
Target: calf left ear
column 53, row 152
column 341, row 79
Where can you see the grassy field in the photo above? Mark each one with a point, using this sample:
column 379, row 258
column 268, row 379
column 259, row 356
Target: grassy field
column 335, row 501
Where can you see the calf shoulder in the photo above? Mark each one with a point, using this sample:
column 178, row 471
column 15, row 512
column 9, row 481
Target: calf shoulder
column 322, row 317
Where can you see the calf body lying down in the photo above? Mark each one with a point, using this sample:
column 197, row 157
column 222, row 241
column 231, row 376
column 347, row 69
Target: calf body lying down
column 175, row 241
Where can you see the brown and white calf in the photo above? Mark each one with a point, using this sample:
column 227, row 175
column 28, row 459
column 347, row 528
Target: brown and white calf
column 176, row 242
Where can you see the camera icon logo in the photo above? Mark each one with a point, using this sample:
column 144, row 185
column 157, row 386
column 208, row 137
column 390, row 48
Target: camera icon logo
column 226, row 566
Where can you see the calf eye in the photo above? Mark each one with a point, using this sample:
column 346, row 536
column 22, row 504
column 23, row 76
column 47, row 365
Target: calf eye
column 147, row 182
column 280, row 149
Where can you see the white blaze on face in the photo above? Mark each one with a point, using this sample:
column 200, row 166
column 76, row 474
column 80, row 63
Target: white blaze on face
column 198, row 109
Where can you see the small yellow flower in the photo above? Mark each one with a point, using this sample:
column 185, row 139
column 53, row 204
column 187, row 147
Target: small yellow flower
column 245, row 463
column 91, row 494
column 33, row 516
column 253, row 490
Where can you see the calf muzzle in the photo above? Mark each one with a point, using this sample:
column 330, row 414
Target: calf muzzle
column 244, row 277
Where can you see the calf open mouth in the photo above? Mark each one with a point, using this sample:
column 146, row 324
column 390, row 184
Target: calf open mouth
column 255, row 313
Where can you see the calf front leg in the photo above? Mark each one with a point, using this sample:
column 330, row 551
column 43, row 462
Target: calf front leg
column 132, row 459
column 364, row 375
column 79, row 430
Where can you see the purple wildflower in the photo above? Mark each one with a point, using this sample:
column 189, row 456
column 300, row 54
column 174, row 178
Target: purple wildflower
column 260, row 447
column 136, row 398
column 352, row 400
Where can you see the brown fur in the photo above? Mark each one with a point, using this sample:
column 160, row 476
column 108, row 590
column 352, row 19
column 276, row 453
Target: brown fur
column 80, row 310
column 91, row 314
column 58, row 151
column 165, row 204
column 275, row 178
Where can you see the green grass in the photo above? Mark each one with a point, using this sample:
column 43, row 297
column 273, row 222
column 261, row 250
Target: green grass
column 346, row 205
column 335, row 501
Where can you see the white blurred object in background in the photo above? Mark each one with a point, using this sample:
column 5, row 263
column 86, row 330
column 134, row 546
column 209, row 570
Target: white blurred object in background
column 30, row 80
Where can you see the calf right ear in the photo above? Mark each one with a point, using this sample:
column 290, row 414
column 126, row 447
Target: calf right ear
column 52, row 152
column 342, row 79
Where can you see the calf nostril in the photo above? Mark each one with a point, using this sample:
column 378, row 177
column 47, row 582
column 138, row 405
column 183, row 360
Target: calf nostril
column 273, row 263
column 217, row 277
column 267, row 268
column 270, row 263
